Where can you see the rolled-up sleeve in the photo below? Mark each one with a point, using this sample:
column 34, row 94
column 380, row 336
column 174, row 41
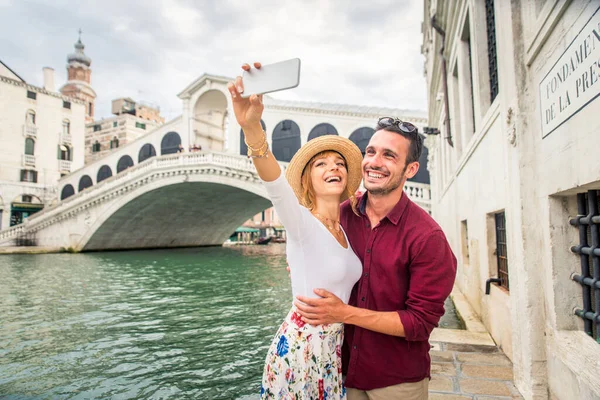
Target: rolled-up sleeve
column 432, row 273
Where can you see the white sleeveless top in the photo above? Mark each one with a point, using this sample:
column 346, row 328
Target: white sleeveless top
column 316, row 259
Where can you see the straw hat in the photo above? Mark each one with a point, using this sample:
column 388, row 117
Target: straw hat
column 345, row 147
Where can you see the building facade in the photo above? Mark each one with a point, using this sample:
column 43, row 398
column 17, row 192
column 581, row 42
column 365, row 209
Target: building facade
column 42, row 135
column 513, row 89
column 131, row 121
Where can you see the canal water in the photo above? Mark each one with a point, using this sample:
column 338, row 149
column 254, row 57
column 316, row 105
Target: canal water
column 188, row 323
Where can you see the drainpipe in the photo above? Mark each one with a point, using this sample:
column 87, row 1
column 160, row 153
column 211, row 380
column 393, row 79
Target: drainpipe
column 488, row 282
column 439, row 30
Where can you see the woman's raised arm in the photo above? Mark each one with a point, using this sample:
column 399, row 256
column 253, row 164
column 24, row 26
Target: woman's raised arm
column 248, row 112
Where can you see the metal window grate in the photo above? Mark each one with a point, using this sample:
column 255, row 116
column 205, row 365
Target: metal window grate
column 501, row 254
column 588, row 222
column 490, row 20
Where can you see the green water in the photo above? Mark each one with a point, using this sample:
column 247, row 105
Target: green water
column 190, row 323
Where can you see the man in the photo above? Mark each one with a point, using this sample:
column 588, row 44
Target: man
column 408, row 272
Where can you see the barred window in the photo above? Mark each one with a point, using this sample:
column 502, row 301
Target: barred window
column 67, row 104
column 31, row 95
column 501, row 253
column 588, row 223
column 492, row 54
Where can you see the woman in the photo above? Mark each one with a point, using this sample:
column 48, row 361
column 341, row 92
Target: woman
column 304, row 361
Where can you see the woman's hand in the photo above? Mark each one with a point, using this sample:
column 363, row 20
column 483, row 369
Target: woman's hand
column 248, row 111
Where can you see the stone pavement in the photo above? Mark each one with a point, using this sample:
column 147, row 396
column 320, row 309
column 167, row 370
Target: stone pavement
column 461, row 371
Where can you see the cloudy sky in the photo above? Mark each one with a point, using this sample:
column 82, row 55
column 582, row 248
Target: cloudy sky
column 352, row 51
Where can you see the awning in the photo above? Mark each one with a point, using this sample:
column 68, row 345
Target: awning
column 243, row 229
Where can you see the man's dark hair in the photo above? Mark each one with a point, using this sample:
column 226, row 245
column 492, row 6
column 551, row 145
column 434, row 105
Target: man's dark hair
column 416, row 141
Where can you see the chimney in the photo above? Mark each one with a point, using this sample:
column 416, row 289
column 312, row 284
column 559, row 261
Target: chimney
column 48, row 79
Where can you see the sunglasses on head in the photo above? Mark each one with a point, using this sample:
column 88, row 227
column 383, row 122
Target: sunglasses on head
column 405, row 127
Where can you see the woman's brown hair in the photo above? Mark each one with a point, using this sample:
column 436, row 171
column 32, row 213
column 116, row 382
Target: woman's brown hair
column 309, row 199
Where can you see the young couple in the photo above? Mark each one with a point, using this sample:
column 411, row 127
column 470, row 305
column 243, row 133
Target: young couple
column 369, row 276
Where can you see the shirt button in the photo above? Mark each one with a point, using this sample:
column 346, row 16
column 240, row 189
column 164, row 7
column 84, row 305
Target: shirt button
column 368, row 250
column 366, row 274
column 363, row 299
column 354, row 347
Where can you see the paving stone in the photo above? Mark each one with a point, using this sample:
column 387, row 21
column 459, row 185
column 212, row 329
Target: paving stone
column 447, row 356
column 479, row 386
column 444, row 396
column 487, row 371
column 443, row 368
column 471, row 348
column 440, row 383
column 485, row 358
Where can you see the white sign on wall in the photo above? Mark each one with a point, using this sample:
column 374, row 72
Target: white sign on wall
column 572, row 82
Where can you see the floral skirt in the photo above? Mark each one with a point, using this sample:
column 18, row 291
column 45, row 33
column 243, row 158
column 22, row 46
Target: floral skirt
column 304, row 362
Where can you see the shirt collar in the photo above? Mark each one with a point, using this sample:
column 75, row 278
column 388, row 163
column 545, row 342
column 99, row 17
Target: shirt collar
column 394, row 215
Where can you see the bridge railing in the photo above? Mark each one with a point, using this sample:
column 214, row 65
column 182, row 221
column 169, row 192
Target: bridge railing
column 420, row 193
column 198, row 158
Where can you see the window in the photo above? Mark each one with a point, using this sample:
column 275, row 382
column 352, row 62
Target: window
column 140, row 125
column 28, row 175
column 114, row 143
column 97, row 128
column 31, row 95
column 96, row 147
column 26, row 199
column 491, row 42
column 114, row 124
column 501, row 254
column 64, row 153
column 67, row 104
column 30, row 119
column 90, row 108
column 465, row 75
column 66, row 127
column 29, row 146
column 588, row 250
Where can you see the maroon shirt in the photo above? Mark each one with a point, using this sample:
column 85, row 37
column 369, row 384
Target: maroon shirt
column 408, row 267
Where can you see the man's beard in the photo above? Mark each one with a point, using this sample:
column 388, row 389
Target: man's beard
column 385, row 190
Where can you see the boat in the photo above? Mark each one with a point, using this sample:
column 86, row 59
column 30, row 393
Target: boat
column 263, row 240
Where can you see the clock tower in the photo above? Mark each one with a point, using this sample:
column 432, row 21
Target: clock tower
column 79, row 79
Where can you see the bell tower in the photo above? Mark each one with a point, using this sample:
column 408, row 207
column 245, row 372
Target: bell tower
column 79, row 79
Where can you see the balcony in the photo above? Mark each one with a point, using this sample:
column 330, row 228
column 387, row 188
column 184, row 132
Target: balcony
column 28, row 160
column 64, row 166
column 30, row 130
column 65, row 138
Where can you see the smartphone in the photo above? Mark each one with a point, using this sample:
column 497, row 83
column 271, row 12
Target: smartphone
column 272, row 77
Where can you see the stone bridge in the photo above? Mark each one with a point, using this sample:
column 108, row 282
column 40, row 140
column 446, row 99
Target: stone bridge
column 176, row 200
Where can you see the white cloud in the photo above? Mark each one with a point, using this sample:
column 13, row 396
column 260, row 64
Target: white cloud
column 352, row 52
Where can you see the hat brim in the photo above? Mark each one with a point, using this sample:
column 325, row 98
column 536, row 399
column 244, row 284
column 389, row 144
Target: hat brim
column 341, row 145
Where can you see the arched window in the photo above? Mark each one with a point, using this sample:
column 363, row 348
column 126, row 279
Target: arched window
column 322, row 130
column 85, row 182
column 170, row 143
column 64, row 153
column 29, row 146
column 124, row 163
column 286, row 140
column 422, row 175
column 146, row 152
column 361, row 137
column 67, row 191
column 30, row 118
column 66, row 127
column 243, row 147
column 103, row 173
